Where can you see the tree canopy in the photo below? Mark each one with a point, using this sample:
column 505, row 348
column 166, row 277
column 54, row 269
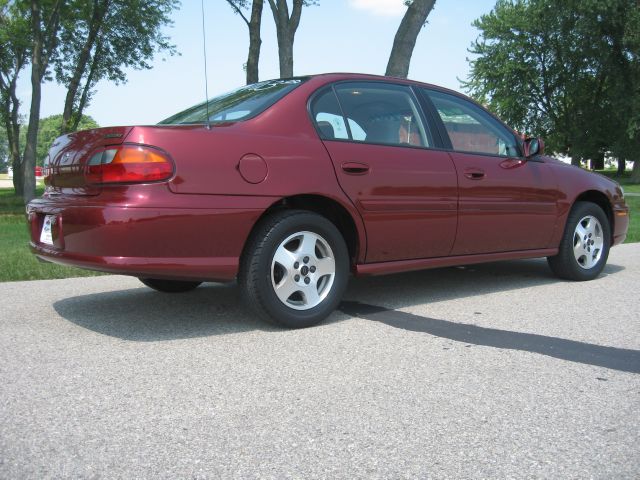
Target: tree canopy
column 100, row 39
column 77, row 42
column 568, row 71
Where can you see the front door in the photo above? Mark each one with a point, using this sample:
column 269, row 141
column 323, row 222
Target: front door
column 506, row 202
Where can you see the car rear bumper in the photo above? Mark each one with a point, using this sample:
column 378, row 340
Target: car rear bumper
column 155, row 242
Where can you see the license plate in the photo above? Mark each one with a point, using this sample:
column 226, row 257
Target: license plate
column 45, row 236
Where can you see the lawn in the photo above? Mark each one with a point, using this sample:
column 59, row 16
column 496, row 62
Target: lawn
column 625, row 180
column 16, row 261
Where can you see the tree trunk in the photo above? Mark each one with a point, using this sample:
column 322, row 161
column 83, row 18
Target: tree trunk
column 86, row 90
column 622, row 164
column 81, row 66
column 16, row 160
column 42, row 49
column 635, row 174
column 285, row 52
column 255, row 42
column 286, row 32
column 406, row 36
column 29, row 159
column 12, row 126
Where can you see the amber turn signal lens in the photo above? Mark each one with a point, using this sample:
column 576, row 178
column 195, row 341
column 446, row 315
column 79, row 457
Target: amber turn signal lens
column 129, row 164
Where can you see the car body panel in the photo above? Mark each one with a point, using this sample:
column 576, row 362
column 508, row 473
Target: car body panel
column 407, row 198
column 512, row 206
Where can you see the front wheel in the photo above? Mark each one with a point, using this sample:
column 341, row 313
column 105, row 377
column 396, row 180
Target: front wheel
column 584, row 248
column 169, row 286
column 295, row 267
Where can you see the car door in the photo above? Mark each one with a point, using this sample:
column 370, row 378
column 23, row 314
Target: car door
column 506, row 202
column 380, row 146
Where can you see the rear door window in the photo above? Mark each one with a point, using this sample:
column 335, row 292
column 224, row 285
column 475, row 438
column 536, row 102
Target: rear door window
column 384, row 114
column 375, row 113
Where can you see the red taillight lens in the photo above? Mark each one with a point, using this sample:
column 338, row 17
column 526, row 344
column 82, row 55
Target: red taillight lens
column 128, row 164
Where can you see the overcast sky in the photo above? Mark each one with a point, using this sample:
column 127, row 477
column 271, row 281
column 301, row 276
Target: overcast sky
column 337, row 36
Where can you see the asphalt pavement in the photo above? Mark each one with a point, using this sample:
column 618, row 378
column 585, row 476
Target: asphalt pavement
column 489, row 371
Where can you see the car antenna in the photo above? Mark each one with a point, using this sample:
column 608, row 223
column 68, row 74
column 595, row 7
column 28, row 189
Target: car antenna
column 206, row 81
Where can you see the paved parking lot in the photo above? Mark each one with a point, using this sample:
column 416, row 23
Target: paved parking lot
column 496, row 370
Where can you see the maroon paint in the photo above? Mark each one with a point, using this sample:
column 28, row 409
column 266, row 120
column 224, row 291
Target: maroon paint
column 407, row 198
column 412, row 207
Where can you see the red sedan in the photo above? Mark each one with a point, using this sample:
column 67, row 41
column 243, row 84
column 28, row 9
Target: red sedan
column 291, row 185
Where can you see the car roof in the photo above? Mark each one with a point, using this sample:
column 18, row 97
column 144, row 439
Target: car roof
column 325, row 78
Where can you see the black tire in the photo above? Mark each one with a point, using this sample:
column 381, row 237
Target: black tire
column 257, row 275
column 170, row 286
column 565, row 264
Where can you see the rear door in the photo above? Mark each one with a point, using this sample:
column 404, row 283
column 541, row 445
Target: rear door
column 381, row 148
column 506, row 203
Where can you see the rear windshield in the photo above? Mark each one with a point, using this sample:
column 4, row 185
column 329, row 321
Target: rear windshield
column 240, row 104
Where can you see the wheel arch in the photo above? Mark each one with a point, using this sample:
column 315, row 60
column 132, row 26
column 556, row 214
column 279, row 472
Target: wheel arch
column 600, row 199
column 349, row 226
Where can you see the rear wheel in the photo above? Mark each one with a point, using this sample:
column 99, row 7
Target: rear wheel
column 169, row 286
column 295, row 267
column 584, row 248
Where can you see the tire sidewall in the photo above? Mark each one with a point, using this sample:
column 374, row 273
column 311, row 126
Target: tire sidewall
column 580, row 211
column 277, row 310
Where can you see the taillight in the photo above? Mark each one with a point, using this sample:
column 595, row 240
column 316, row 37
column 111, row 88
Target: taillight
column 128, row 164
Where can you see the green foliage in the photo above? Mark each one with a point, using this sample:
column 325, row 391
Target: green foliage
column 101, row 39
column 568, row 71
column 49, row 130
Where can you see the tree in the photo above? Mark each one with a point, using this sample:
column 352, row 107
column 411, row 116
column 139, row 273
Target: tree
column 253, row 24
column 14, row 55
column 407, row 35
column 4, row 151
column 286, row 27
column 49, row 130
column 45, row 24
column 101, row 38
column 565, row 70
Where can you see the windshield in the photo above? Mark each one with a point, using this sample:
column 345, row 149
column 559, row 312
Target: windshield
column 240, row 104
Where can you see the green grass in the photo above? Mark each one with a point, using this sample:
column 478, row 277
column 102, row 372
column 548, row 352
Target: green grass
column 624, row 180
column 633, row 235
column 16, row 261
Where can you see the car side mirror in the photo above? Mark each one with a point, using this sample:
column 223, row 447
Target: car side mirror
column 533, row 146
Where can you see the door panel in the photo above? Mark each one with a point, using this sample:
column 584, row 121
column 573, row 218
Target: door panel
column 511, row 206
column 505, row 202
column 407, row 198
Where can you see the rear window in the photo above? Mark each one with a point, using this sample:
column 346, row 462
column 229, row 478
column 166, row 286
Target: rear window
column 240, row 104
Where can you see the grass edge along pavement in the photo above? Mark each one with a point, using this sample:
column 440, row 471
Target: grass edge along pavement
column 18, row 263
column 16, row 260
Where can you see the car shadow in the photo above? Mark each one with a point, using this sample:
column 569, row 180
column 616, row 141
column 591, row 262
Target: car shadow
column 621, row 359
column 144, row 315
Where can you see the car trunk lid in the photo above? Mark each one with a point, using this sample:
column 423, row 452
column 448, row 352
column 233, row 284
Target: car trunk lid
column 70, row 155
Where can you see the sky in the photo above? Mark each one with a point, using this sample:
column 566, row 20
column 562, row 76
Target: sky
column 336, row 36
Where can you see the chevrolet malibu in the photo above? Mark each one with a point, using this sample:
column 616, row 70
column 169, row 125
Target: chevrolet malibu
column 289, row 186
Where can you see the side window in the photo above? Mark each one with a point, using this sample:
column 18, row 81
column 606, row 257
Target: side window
column 328, row 117
column 470, row 128
column 382, row 113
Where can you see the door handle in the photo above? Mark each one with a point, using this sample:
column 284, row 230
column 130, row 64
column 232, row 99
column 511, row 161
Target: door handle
column 474, row 173
column 355, row 168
